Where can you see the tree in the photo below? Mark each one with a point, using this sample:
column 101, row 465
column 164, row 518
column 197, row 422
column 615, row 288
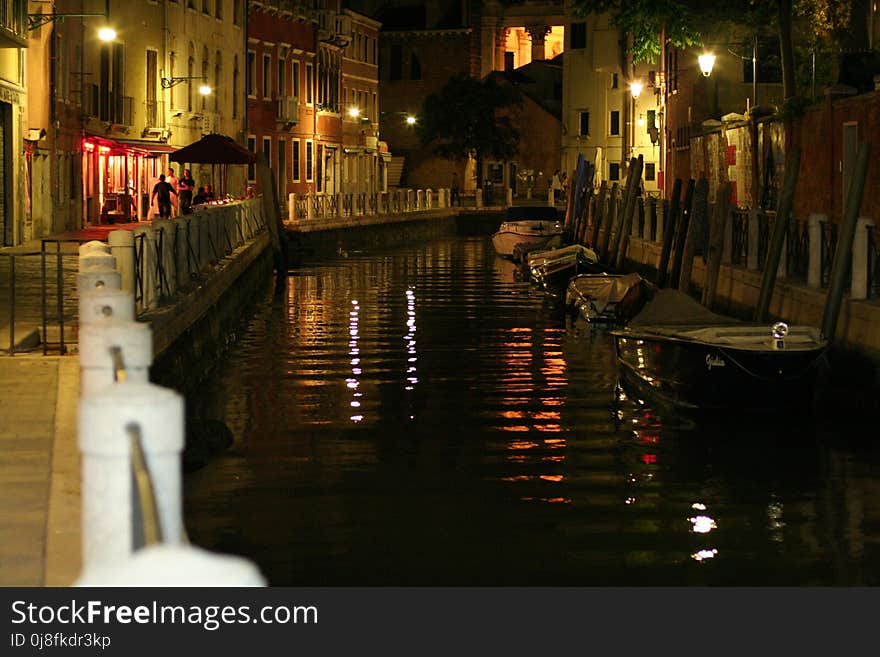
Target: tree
column 471, row 118
column 645, row 20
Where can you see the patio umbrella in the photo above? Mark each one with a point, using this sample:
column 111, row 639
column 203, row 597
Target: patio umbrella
column 214, row 149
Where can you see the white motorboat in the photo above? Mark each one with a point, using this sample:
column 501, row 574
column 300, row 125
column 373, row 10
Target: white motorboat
column 528, row 231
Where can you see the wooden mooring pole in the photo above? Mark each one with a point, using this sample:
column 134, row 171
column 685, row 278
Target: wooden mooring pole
column 635, row 182
column 668, row 233
column 780, row 230
column 681, row 229
column 843, row 251
column 627, row 195
column 717, row 232
column 699, row 210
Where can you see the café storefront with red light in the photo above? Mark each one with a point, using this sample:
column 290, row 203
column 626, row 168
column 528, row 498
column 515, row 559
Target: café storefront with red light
column 118, row 177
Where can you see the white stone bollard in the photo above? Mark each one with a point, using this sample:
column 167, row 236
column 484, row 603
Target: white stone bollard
column 550, row 199
column 96, row 279
column 174, row 565
column 107, row 508
column 509, row 196
column 94, row 246
column 479, row 198
column 310, row 208
column 859, row 285
column 101, row 305
column 814, row 261
column 420, row 199
column 97, row 370
column 148, row 268
column 96, row 260
column 122, row 245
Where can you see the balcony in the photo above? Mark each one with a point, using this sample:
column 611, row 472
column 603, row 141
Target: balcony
column 288, row 110
column 107, row 106
column 13, row 24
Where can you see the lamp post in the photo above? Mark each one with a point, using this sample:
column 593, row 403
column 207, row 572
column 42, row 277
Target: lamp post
column 204, row 89
column 635, row 90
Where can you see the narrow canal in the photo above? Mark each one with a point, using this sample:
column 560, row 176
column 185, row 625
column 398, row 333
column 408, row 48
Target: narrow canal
column 417, row 416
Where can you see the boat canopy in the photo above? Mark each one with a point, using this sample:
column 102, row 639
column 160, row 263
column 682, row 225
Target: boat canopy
column 674, row 308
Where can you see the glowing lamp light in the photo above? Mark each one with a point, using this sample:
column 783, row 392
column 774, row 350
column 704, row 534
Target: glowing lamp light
column 410, row 120
column 354, row 112
column 635, row 89
column 205, row 90
column 641, row 122
column 106, row 34
column 706, row 62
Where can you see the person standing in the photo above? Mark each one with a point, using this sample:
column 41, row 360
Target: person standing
column 162, row 192
column 185, row 187
column 172, row 180
column 455, row 189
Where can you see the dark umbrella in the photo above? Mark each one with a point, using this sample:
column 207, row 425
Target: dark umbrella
column 214, row 149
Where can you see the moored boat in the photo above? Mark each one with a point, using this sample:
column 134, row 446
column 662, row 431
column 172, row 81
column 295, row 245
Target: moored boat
column 682, row 353
column 552, row 269
column 607, row 298
column 526, row 225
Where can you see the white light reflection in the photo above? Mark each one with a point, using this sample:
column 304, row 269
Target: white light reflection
column 702, row 555
column 410, row 340
column 702, row 524
column 352, row 382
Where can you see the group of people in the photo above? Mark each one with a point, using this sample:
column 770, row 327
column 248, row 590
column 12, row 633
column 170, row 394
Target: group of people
column 172, row 191
column 559, row 185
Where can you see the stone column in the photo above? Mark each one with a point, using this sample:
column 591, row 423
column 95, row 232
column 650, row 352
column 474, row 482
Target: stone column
column 537, row 33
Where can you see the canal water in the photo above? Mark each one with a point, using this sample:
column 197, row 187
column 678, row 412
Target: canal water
column 417, row 416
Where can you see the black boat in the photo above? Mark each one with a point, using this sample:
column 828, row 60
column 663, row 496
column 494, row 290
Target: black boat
column 552, row 269
column 679, row 352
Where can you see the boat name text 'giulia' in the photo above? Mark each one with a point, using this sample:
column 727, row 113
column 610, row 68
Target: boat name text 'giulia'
column 714, row 361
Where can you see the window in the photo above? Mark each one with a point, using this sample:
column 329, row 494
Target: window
column 584, row 124
column 150, row 104
column 282, row 71
column 218, row 75
column 415, row 68
column 310, row 78
column 614, row 171
column 395, row 71
column 296, row 79
column 235, row 76
column 267, row 76
column 650, row 171
column 267, row 149
column 205, row 75
column 319, row 169
column 250, row 73
column 206, row 6
column 294, row 160
column 615, row 123
column 652, row 119
column 236, row 11
column 282, row 171
column 309, row 159
column 614, row 81
column 190, row 71
column 578, row 36
column 252, row 169
column 218, row 9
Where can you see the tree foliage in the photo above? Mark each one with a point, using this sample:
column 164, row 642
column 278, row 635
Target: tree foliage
column 645, row 20
column 471, row 118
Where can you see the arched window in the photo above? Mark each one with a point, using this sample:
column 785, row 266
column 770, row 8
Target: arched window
column 218, row 70
column 235, row 88
column 205, row 70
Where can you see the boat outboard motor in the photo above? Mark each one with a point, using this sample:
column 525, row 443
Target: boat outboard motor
column 780, row 330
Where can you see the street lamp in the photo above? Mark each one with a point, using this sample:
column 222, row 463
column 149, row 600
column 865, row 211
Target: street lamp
column 410, row 119
column 107, row 34
column 635, row 88
column 706, row 62
column 204, row 89
column 354, row 112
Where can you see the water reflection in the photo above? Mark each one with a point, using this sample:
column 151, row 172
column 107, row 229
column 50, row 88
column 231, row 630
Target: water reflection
column 417, row 416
